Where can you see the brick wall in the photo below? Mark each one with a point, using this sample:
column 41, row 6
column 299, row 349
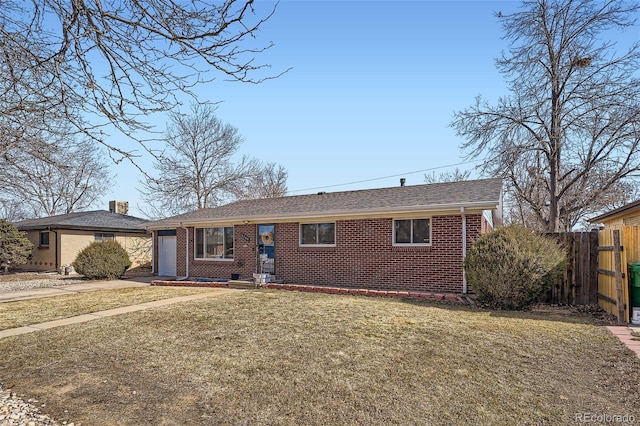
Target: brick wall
column 486, row 226
column 243, row 264
column 363, row 257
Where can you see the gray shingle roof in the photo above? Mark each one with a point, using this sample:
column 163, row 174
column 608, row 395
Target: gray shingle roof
column 98, row 220
column 484, row 194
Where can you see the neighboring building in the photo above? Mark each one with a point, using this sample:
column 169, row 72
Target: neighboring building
column 57, row 240
column 629, row 215
column 405, row 237
column 613, row 294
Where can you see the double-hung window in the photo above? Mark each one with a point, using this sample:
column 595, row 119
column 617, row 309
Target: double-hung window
column 415, row 232
column 318, row 234
column 214, row 243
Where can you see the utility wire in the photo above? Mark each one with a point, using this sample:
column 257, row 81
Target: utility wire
column 384, row 177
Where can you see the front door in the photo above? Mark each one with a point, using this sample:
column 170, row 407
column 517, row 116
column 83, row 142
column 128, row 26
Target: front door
column 266, row 249
column 167, row 253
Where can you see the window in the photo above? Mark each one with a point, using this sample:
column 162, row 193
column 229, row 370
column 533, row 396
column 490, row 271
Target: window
column 214, row 243
column 412, row 231
column 101, row 236
column 44, row 239
column 318, row 234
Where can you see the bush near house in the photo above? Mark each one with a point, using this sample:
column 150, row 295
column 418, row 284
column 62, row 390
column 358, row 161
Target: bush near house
column 15, row 247
column 510, row 268
column 102, row 260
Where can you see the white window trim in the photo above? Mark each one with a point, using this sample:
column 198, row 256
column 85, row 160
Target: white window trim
column 393, row 237
column 213, row 259
column 335, row 236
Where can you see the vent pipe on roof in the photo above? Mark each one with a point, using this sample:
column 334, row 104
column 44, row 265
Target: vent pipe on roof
column 402, row 181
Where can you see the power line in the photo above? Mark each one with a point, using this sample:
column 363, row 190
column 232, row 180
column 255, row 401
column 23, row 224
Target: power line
column 384, row 177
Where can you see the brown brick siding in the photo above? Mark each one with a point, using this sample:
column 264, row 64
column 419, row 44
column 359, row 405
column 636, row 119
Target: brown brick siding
column 486, row 226
column 364, row 256
column 244, row 262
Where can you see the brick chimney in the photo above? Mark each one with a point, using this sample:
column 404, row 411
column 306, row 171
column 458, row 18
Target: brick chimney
column 120, row 207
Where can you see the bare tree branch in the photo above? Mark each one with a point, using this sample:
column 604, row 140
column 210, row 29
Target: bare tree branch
column 106, row 66
column 568, row 133
column 197, row 169
column 71, row 177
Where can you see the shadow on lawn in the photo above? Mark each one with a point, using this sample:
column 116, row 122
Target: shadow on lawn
column 578, row 314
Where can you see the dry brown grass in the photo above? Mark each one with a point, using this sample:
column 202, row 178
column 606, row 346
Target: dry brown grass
column 285, row 358
column 23, row 276
column 34, row 311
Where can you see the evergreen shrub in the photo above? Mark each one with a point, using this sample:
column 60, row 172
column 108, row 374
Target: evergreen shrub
column 15, row 247
column 512, row 267
column 102, row 260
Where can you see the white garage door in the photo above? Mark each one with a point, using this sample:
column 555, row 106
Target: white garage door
column 167, row 255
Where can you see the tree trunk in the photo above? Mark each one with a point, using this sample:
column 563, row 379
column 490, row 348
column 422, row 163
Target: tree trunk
column 555, row 144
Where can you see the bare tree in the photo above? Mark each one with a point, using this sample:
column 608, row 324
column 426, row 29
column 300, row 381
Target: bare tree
column 72, row 177
column 454, row 176
column 12, row 210
column 118, row 61
column 568, row 133
column 198, row 169
column 269, row 182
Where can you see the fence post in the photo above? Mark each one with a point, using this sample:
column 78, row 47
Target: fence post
column 618, row 271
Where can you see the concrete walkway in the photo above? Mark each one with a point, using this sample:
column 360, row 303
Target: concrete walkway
column 95, row 286
column 111, row 312
column 34, row 293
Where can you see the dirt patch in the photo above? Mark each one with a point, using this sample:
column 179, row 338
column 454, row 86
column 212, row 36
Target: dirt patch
column 592, row 314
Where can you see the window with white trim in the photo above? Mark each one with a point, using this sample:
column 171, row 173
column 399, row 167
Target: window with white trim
column 318, row 234
column 214, row 243
column 415, row 232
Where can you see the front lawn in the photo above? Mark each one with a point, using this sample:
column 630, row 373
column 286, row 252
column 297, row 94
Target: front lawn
column 287, row 358
column 33, row 311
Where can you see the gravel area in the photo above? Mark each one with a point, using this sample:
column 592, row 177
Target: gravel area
column 15, row 411
column 50, row 280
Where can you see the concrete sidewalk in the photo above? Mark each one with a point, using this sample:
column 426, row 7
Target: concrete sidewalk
column 110, row 312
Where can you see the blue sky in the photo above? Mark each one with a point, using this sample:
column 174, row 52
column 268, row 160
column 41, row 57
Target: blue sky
column 371, row 92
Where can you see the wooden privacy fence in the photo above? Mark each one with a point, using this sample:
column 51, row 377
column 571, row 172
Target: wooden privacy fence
column 579, row 283
column 618, row 246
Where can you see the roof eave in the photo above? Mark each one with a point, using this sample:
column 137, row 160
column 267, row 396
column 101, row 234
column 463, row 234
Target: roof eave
column 470, row 207
column 140, row 230
column 616, row 212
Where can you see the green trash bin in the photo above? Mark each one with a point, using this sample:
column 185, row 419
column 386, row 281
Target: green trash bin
column 634, row 291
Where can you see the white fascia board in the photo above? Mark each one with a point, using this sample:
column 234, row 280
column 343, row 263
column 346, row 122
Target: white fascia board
column 474, row 207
